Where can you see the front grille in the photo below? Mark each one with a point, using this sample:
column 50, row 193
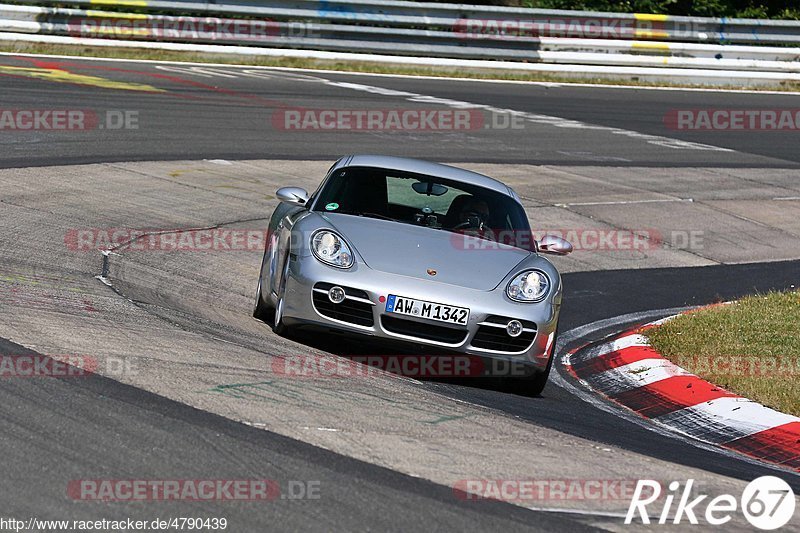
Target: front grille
column 496, row 338
column 350, row 311
column 421, row 330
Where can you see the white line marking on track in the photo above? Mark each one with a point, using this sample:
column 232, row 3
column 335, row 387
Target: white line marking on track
column 104, row 280
column 665, row 320
column 636, row 375
column 585, row 512
column 558, row 122
column 591, row 156
column 739, row 416
column 628, row 341
column 198, row 71
column 625, row 202
column 546, row 84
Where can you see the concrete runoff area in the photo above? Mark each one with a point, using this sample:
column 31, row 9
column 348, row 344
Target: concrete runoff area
column 180, row 323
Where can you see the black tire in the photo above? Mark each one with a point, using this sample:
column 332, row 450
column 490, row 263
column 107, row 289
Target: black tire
column 262, row 311
column 534, row 384
column 277, row 325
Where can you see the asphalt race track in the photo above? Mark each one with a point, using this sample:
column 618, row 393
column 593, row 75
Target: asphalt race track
column 205, row 112
column 201, row 402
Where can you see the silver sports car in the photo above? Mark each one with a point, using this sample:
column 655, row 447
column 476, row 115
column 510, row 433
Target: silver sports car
column 415, row 253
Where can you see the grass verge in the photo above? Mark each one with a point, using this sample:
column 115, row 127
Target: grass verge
column 751, row 347
column 349, row 66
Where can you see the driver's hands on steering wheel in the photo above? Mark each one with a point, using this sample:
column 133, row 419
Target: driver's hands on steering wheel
column 473, row 219
column 474, row 215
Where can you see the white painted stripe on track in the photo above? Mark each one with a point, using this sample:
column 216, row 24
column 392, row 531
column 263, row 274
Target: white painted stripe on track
column 725, row 419
column 628, row 341
column 536, row 118
column 548, row 84
column 661, row 321
column 566, row 510
column 627, row 202
column 635, row 375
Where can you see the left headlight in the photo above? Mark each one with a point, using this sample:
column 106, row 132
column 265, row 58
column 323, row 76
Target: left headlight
column 331, row 249
column 528, row 286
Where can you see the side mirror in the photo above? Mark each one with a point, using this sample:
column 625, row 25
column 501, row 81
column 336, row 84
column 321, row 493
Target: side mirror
column 292, row 195
column 551, row 244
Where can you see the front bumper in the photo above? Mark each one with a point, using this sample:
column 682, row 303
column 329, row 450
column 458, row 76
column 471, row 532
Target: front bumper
column 362, row 313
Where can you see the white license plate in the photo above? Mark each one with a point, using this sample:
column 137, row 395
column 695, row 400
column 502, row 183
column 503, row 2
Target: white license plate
column 432, row 311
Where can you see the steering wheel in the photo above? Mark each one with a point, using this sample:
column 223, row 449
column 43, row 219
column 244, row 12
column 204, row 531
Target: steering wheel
column 471, row 216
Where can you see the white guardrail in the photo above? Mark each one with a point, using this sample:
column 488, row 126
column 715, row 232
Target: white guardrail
column 428, row 30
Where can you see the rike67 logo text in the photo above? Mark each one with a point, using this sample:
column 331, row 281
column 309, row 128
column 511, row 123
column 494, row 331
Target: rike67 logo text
column 766, row 502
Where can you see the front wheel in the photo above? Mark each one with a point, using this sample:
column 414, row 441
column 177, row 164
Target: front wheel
column 277, row 322
column 262, row 311
column 534, row 385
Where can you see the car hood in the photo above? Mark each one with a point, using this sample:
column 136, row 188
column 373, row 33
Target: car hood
column 409, row 250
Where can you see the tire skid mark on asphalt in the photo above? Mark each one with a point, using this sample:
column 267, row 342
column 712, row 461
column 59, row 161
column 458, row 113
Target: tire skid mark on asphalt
column 33, row 290
column 279, row 391
column 171, row 78
column 557, row 122
column 628, row 371
column 63, row 76
column 58, row 72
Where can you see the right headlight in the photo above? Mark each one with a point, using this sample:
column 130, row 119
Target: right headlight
column 528, row 286
column 331, row 249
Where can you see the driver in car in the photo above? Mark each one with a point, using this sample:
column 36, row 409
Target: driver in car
column 474, row 214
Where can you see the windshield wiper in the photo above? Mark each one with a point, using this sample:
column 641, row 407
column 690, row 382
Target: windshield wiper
column 376, row 215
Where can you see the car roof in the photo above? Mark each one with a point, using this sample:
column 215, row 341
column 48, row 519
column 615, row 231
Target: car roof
column 428, row 168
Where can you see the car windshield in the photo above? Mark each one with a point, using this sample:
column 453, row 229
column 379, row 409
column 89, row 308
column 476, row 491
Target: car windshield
column 423, row 200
